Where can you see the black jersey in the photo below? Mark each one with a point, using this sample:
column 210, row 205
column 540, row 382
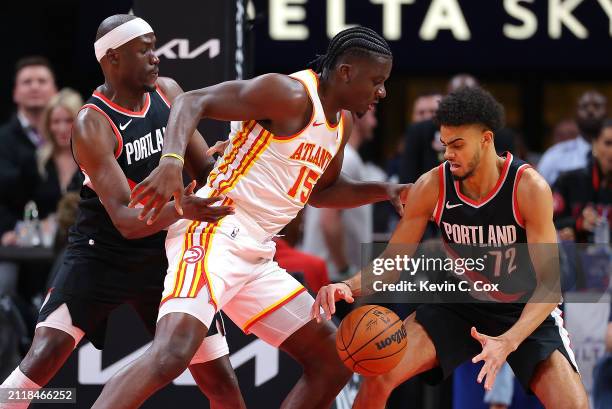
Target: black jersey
column 491, row 229
column 140, row 137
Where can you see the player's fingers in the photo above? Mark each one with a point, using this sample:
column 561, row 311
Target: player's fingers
column 325, row 303
column 218, row 147
column 331, row 303
column 477, row 335
column 478, row 358
column 148, row 205
column 483, row 372
column 137, row 196
column 219, row 210
column 316, row 307
column 398, row 206
column 190, row 188
column 491, row 375
column 178, row 202
column 155, row 215
column 313, row 314
column 213, row 199
column 347, row 297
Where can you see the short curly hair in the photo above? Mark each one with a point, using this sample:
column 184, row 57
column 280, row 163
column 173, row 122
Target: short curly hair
column 470, row 106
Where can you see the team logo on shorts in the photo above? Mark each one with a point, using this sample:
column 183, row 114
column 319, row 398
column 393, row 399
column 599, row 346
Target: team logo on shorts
column 193, row 255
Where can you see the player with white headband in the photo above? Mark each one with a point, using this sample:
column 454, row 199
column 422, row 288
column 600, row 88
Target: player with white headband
column 112, row 257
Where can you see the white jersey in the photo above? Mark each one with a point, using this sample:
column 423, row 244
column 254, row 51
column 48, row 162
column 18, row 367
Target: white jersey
column 270, row 177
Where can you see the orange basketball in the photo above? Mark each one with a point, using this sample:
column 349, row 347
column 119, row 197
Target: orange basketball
column 371, row 340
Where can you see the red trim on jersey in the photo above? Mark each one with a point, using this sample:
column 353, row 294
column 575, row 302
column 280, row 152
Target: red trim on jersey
column 119, row 148
column 163, row 96
column 316, row 77
column 493, row 192
column 123, row 110
column 441, row 193
column 515, row 206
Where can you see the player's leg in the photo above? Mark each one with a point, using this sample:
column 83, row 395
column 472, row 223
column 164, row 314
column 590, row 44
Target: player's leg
column 276, row 308
column 54, row 340
column 558, row 385
column 210, row 366
column 177, row 338
column 218, row 381
column 213, row 372
column 314, row 347
column 420, row 356
column 545, row 363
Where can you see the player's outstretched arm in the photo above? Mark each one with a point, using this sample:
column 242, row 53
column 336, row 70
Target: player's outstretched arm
column 272, row 97
column 336, row 190
column 94, row 145
column 536, row 207
column 420, row 204
column 198, row 162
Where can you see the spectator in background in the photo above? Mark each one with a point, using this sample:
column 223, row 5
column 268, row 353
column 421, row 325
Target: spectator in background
column 581, row 195
column 19, row 139
column 425, row 106
column 336, row 234
column 21, row 136
column 56, row 166
column 57, row 170
column 573, row 154
column 565, row 130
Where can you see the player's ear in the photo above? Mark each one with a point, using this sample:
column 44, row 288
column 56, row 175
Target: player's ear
column 487, row 136
column 112, row 56
column 345, row 72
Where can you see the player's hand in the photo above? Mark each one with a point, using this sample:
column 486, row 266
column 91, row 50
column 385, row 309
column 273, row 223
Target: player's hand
column 165, row 181
column 327, row 297
column 201, row 208
column 495, row 350
column 218, row 148
column 398, row 195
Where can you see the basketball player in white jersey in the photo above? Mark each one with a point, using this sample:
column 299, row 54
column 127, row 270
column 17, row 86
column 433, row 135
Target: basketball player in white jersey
column 286, row 149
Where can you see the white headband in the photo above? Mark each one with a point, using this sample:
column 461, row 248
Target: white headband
column 121, row 35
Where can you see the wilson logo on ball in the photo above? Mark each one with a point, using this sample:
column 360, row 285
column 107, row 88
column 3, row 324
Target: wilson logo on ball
column 193, row 255
column 396, row 337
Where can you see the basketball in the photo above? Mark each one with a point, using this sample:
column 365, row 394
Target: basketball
column 371, row 340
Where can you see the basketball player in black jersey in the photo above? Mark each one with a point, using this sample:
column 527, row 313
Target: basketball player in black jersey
column 112, row 257
column 477, row 191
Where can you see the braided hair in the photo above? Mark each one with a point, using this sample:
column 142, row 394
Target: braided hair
column 355, row 41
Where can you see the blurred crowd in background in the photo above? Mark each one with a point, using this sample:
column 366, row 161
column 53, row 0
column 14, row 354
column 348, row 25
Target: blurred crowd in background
column 40, row 182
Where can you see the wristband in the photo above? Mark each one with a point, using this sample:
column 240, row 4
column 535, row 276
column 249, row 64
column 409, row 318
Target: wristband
column 345, row 283
column 173, row 155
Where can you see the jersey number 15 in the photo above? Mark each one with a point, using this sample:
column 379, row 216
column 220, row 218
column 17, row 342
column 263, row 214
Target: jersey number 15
column 303, row 184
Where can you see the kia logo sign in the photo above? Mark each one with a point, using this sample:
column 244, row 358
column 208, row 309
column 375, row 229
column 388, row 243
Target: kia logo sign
column 179, row 48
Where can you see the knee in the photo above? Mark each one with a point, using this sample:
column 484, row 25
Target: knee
column 330, row 366
column 48, row 351
column 169, row 361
